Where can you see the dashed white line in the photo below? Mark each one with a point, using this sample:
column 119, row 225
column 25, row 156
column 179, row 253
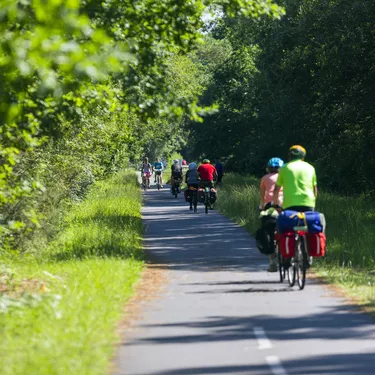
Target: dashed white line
column 275, row 365
column 262, row 339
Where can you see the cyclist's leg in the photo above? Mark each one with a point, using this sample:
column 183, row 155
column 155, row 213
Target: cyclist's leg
column 273, row 263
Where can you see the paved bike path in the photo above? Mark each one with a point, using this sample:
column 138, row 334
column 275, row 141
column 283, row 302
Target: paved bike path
column 220, row 312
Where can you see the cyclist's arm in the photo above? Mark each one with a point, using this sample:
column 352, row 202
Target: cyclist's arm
column 215, row 174
column 261, row 198
column 316, row 190
column 275, row 199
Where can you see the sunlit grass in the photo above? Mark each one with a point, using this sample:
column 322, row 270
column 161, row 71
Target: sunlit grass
column 59, row 309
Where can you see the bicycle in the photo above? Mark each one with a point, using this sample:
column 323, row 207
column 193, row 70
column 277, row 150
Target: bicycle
column 158, row 178
column 176, row 186
column 280, row 263
column 193, row 198
column 145, row 181
column 299, row 262
column 206, row 185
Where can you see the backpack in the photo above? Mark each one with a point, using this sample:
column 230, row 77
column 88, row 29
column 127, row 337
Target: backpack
column 176, row 169
column 264, row 236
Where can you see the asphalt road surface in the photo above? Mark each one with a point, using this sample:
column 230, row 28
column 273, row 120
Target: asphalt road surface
column 220, row 312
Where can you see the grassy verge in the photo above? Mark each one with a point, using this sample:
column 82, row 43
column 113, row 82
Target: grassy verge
column 350, row 233
column 59, row 308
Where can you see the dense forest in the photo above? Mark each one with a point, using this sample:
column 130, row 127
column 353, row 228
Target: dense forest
column 307, row 79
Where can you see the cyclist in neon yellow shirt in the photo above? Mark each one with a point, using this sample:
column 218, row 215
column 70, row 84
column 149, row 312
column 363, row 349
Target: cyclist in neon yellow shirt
column 298, row 180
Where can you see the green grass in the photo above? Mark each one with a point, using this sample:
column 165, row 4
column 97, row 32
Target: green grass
column 59, row 307
column 350, row 233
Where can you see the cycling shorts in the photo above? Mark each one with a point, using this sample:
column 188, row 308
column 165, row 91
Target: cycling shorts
column 147, row 174
column 158, row 173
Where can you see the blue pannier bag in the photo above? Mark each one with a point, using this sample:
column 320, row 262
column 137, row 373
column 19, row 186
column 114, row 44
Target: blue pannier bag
column 316, row 221
column 289, row 219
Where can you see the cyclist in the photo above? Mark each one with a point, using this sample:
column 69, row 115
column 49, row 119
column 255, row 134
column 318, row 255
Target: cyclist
column 176, row 173
column 220, row 170
column 191, row 176
column 146, row 172
column 158, row 170
column 267, row 184
column 191, row 179
column 207, row 173
column 298, row 180
column 267, row 187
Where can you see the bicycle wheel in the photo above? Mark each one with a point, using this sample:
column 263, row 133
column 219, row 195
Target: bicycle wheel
column 195, row 201
column 292, row 273
column 280, row 265
column 301, row 263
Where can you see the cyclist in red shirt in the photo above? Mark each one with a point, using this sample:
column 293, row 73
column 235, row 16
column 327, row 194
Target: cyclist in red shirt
column 207, row 172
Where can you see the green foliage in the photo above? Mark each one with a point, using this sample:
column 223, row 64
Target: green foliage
column 306, row 79
column 58, row 316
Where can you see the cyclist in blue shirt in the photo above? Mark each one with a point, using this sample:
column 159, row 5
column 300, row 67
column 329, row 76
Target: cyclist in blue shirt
column 220, row 170
column 158, row 169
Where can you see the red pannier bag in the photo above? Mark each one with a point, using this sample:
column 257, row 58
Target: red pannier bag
column 316, row 244
column 286, row 243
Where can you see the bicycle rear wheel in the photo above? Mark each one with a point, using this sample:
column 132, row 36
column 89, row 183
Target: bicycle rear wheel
column 195, row 201
column 280, row 265
column 301, row 263
column 292, row 273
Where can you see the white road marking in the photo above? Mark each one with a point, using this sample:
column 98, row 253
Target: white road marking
column 275, row 365
column 262, row 339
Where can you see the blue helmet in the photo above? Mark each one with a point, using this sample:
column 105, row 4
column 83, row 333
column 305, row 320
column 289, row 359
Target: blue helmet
column 275, row 163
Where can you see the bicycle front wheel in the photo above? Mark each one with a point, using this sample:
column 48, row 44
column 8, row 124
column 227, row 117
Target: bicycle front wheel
column 280, row 265
column 301, row 263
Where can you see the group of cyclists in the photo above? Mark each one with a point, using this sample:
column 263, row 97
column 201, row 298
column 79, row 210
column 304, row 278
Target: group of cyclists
column 147, row 170
column 292, row 186
column 206, row 173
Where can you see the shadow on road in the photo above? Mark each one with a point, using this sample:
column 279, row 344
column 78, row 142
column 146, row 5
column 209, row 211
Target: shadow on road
column 348, row 364
column 187, row 234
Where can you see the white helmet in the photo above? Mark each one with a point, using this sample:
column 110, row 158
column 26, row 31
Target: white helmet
column 192, row 166
column 175, row 161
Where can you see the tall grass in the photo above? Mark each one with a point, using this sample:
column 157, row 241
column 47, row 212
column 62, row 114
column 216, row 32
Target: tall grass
column 59, row 307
